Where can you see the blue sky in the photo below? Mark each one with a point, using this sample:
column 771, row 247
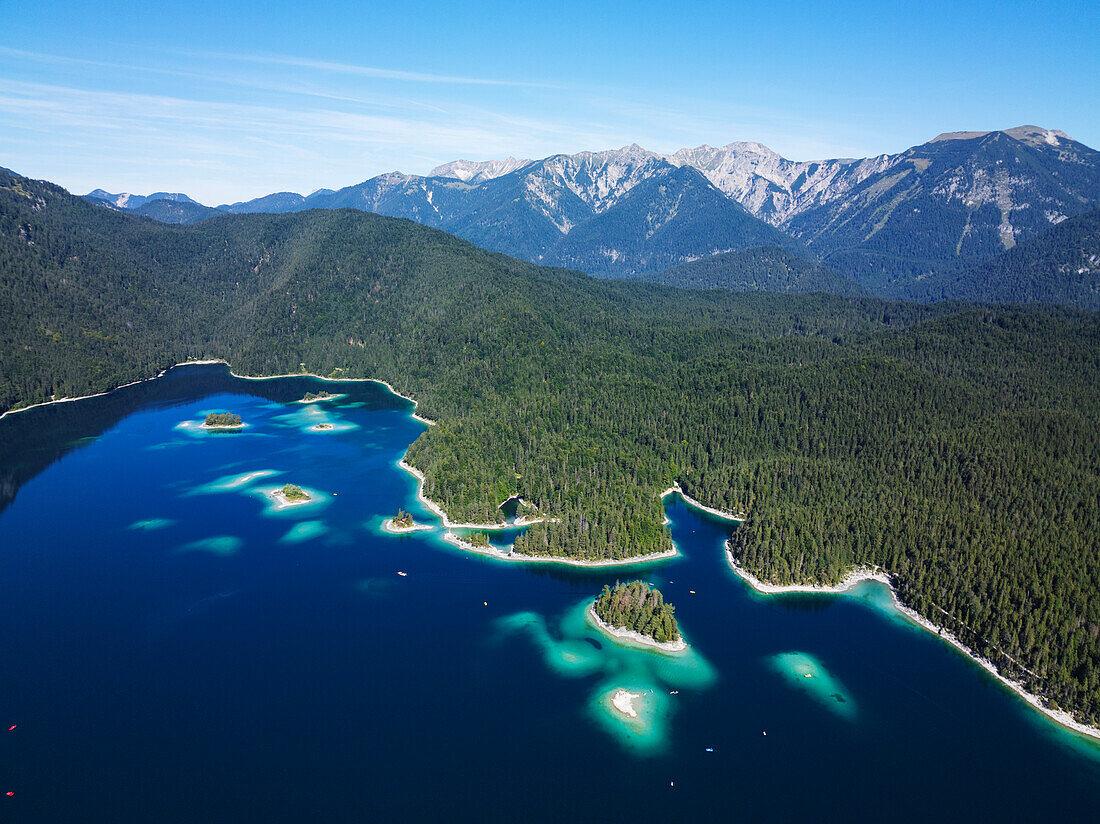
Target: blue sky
column 228, row 101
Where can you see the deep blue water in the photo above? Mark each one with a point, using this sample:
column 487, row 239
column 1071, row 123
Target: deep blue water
column 172, row 650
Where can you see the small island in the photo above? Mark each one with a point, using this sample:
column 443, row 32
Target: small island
column 222, row 420
column 310, row 397
column 402, row 522
column 637, row 613
column 291, row 495
column 321, row 427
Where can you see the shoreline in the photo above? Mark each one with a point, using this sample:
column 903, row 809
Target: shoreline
column 163, row 372
column 223, row 428
column 512, row 557
column 388, row 526
column 629, row 635
column 720, row 513
column 447, row 522
column 858, row 576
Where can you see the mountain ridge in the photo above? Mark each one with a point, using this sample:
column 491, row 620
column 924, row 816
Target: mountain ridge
column 885, row 222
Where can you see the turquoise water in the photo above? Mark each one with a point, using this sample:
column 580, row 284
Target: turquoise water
column 177, row 647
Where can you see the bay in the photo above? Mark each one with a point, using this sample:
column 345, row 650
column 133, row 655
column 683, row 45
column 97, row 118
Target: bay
column 176, row 649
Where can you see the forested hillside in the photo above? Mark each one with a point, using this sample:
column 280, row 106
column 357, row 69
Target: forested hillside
column 766, row 268
column 1062, row 265
column 954, row 445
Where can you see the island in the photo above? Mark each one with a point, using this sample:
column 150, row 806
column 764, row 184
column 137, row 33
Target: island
column 291, row 495
column 310, row 397
column 402, row 522
column 637, row 613
column 321, row 427
column 222, row 420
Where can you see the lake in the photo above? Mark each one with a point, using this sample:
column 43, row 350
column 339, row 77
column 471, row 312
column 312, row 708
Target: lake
column 176, row 649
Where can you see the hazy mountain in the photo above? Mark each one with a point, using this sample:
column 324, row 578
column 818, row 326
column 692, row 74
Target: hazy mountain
column 175, row 211
column 766, row 269
column 125, row 200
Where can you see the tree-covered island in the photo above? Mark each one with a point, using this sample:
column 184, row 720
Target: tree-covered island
column 223, row 420
column 637, row 608
column 293, row 494
column 309, row 397
column 403, row 522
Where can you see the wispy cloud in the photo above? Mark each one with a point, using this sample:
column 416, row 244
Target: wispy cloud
column 364, row 71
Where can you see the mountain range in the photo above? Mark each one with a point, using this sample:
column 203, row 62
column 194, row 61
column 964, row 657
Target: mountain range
column 888, row 223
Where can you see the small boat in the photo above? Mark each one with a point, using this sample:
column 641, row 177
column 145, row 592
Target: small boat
column 710, row 749
column 12, row 727
column 403, row 574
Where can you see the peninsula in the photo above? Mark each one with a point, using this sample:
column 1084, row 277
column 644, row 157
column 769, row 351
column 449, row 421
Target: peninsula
column 637, row 613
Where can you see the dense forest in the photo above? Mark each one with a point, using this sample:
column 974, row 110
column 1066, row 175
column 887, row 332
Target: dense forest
column 954, row 445
column 637, row 607
column 1060, row 265
column 765, row 268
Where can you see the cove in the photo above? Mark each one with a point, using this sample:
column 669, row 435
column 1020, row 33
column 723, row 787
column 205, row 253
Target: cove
column 177, row 649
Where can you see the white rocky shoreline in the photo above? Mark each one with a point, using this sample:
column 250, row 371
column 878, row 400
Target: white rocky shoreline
column 389, row 526
column 858, row 576
column 632, row 637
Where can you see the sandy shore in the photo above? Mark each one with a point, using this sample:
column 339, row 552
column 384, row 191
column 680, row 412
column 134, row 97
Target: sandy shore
column 629, row 635
column 729, row 516
column 223, row 428
column 858, row 576
column 623, row 701
column 389, row 526
column 318, row 400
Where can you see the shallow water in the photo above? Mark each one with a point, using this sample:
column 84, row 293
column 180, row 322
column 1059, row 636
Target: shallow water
column 176, row 648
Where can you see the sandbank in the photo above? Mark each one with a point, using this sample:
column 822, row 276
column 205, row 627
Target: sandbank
column 623, row 701
column 223, row 427
column 620, row 634
column 858, row 576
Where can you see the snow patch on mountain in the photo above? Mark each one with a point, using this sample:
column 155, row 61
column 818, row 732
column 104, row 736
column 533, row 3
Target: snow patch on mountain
column 474, row 171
